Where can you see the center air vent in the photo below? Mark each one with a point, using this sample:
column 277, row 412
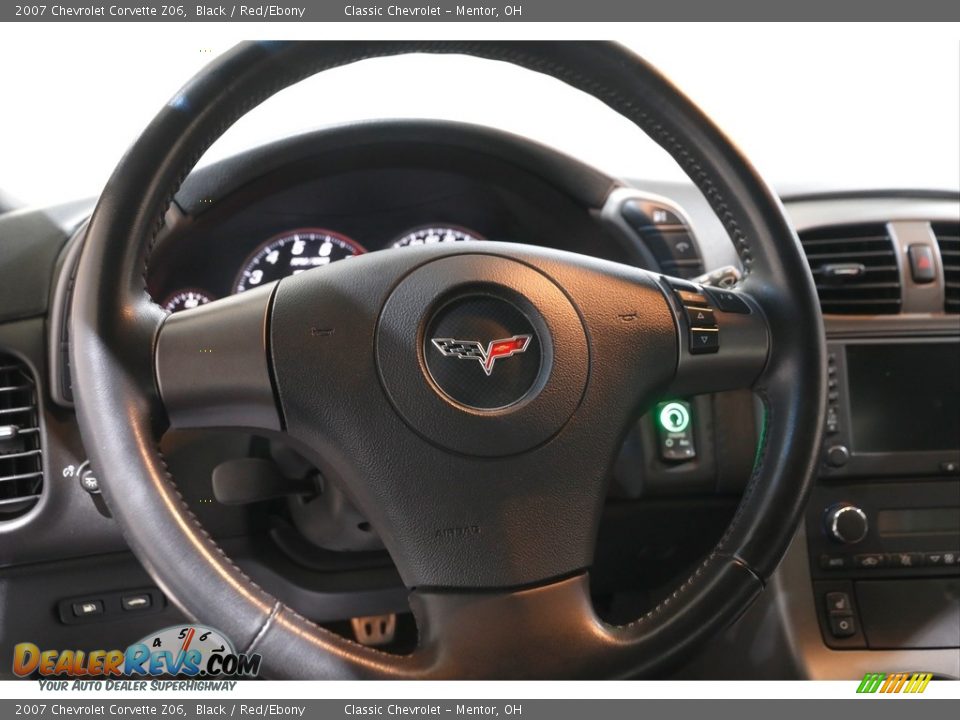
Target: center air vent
column 948, row 236
column 854, row 268
column 21, row 468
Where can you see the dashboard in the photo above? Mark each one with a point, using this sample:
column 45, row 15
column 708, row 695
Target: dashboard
column 328, row 209
column 880, row 526
column 294, row 251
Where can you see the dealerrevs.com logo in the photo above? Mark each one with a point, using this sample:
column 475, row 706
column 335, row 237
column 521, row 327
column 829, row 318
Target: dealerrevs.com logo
column 190, row 651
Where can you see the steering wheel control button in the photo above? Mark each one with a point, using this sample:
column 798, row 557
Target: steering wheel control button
column 676, row 246
column 922, row 268
column 675, row 431
column 643, row 215
column 846, row 524
column 87, row 608
column 692, row 297
column 88, row 481
column 700, row 317
column 679, row 284
column 704, row 340
column 727, row 300
column 482, row 352
column 842, row 625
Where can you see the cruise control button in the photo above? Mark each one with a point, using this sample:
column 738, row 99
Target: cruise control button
column 704, row 341
column 701, row 317
column 728, row 301
column 842, row 625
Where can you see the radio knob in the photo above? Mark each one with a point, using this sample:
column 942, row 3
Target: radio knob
column 847, row 524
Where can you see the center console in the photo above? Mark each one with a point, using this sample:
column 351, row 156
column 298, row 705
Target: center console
column 883, row 524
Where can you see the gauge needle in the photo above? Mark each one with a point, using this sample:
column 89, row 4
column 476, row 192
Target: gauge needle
column 184, row 647
column 186, row 640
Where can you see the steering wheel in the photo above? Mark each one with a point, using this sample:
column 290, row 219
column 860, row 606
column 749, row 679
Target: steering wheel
column 482, row 392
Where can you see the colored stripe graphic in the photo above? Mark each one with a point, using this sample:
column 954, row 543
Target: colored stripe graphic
column 894, row 683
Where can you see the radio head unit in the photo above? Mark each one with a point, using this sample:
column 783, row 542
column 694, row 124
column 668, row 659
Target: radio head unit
column 893, row 408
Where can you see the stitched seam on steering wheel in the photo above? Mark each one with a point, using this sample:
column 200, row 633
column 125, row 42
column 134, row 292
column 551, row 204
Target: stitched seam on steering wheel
column 266, row 626
column 652, row 128
column 625, row 107
column 675, row 595
column 339, row 638
column 755, row 475
column 252, row 583
column 196, row 523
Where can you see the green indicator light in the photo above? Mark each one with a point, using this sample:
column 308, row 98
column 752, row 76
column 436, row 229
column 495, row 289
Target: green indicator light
column 674, row 417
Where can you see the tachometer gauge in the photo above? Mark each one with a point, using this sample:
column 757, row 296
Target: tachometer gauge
column 293, row 252
column 433, row 234
column 185, row 300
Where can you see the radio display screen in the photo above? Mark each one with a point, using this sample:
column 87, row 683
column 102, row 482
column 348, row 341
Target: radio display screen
column 904, row 397
column 919, row 521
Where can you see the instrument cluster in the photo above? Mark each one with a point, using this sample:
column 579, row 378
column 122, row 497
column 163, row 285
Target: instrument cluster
column 295, row 250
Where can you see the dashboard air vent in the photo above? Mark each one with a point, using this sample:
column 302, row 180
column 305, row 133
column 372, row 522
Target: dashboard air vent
column 948, row 236
column 21, row 468
column 854, row 268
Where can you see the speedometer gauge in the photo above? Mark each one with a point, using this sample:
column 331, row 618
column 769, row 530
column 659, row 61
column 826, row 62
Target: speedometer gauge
column 293, row 252
column 186, row 300
column 433, row 234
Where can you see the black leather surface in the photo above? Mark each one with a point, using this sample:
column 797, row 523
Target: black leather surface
column 472, row 634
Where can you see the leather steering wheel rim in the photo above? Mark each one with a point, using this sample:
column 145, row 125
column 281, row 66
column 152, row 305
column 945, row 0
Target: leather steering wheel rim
column 545, row 629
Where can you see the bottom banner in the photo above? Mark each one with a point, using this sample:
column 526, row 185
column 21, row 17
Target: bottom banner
column 595, row 709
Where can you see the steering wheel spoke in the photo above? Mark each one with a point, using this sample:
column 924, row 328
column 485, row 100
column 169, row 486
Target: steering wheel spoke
column 212, row 364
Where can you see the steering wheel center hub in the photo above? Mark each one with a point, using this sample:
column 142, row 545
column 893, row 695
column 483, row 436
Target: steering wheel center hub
column 482, row 354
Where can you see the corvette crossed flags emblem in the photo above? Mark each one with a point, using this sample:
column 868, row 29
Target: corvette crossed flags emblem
column 486, row 356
